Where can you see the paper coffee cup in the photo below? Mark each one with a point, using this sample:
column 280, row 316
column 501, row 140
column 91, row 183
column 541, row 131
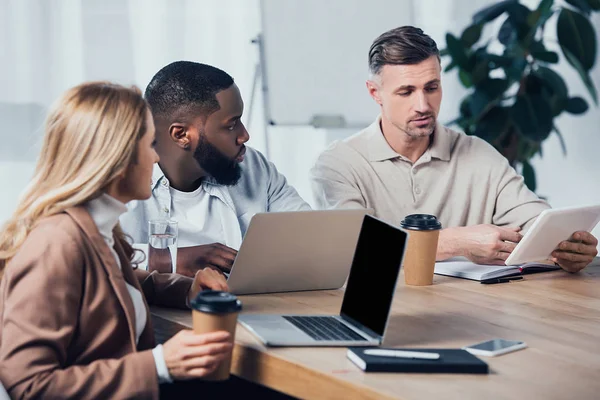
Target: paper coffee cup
column 216, row 311
column 419, row 258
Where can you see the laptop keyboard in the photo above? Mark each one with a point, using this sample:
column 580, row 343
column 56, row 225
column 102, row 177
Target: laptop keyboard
column 324, row 328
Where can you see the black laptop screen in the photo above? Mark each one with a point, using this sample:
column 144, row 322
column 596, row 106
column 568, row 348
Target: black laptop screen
column 374, row 273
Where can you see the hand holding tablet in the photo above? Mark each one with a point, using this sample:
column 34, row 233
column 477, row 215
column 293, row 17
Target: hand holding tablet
column 552, row 227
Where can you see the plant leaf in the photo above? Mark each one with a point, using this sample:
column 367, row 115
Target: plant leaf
column 450, row 66
column 457, row 50
column 563, row 146
column 533, row 117
column 465, row 78
column 465, row 107
column 529, row 175
column 594, row 4
column 493, row 124
column 515, row 70
column 541, row 14
column 537, row 46
column 576, row 34
column 480, row 72
column 546, row 56
column 492, row 12
column 494, row 87
column 507, row 33
column 497, row 60
column 553, row 80
column 519, row 14
column 486, row 93
column 576, row 105
column 581, row 5
column 556, row 88
column 471, row 35
column 516, row 25
column 478, row 102
column 582, row 73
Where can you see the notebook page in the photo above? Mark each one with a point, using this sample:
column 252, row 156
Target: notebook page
column 469, row 270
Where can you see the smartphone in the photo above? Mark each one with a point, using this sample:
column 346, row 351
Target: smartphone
column 495, row 347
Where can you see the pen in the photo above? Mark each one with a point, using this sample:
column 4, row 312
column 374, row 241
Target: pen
column 501, row 280
column 402, row 354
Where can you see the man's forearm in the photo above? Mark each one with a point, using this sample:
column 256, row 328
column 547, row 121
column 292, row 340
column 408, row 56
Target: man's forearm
column 448, row 245
column 185, row 261
column 159, row 260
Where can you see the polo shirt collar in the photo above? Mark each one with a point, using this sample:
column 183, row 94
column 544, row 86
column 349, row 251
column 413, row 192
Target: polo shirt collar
column 442, row 143
column 380, row 150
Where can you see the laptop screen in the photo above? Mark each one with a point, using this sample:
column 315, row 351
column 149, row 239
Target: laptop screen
column 373, row 275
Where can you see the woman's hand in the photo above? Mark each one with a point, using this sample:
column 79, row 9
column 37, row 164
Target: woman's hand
column 189, row 355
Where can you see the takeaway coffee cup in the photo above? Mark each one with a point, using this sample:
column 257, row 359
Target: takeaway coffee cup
column 216, row 311
column 419, row 260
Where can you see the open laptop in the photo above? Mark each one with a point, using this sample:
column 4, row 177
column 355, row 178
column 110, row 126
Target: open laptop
column 295, row 251
column 367, row 300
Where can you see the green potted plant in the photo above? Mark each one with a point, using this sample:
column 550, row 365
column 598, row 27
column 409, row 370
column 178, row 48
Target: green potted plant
column 514, row 93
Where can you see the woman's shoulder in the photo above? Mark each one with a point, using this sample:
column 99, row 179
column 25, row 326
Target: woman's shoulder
column 56, row 228
column 55, row 243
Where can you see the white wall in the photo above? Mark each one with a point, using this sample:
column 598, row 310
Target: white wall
column 47, row 46
column 54, row 44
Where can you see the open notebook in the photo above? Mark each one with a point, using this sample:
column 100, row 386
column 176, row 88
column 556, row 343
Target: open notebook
column 460, row 267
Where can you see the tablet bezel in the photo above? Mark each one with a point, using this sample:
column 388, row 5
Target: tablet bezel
column 523, row 253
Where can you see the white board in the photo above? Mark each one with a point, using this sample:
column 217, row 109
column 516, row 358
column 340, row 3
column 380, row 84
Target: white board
column 316, row 57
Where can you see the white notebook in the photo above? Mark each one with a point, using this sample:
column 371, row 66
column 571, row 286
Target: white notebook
column 462, row 268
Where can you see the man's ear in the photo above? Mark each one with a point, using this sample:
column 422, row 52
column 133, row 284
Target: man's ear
column 179, row 134
column 373, row 89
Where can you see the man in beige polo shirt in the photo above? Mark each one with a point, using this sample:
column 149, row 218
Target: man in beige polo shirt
column 406, row 163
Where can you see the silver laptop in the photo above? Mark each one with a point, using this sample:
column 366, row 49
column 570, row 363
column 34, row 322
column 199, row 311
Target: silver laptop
column 367, row 300
column 294, row 251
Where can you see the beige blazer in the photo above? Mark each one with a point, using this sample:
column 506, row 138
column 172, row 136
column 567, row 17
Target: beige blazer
column 67, row 322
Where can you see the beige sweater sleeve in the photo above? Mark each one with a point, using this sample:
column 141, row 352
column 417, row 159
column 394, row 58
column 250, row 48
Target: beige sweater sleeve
column 516, row 205
column 334, row 183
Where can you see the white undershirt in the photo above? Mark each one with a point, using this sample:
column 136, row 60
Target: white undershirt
column 199, row 217
column 105, row 211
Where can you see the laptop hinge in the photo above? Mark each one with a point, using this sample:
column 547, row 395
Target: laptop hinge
column 357, row 325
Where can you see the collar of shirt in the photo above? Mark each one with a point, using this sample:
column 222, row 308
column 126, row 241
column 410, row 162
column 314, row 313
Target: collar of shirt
column 105, row 211
column 209, row 184
column 158, row 177
column 380, row 150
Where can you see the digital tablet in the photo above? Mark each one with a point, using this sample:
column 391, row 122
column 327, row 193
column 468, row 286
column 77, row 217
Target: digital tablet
column 549, row 229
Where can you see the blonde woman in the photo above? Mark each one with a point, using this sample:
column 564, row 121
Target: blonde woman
column 74, row 320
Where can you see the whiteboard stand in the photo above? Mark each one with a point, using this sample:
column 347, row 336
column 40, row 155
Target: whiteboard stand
column 260, row 75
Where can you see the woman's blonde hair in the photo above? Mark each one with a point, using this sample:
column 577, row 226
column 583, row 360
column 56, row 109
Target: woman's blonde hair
column 90, row 139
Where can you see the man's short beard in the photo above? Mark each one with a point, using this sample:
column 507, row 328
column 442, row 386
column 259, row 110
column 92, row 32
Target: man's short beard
column 418, row 133
column 223, row 169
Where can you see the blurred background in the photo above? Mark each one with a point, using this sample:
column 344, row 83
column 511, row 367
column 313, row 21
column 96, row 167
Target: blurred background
column 300, row 65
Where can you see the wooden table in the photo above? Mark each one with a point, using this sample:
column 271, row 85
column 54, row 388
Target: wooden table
column 557, row 314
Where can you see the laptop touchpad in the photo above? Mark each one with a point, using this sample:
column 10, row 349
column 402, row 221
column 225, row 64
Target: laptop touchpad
column 273, row 327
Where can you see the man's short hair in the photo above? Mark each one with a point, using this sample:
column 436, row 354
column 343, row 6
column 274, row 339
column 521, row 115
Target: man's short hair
column 185, row 87
column 405, row 45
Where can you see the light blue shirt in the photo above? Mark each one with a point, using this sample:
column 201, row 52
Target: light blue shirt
column 261, row 188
